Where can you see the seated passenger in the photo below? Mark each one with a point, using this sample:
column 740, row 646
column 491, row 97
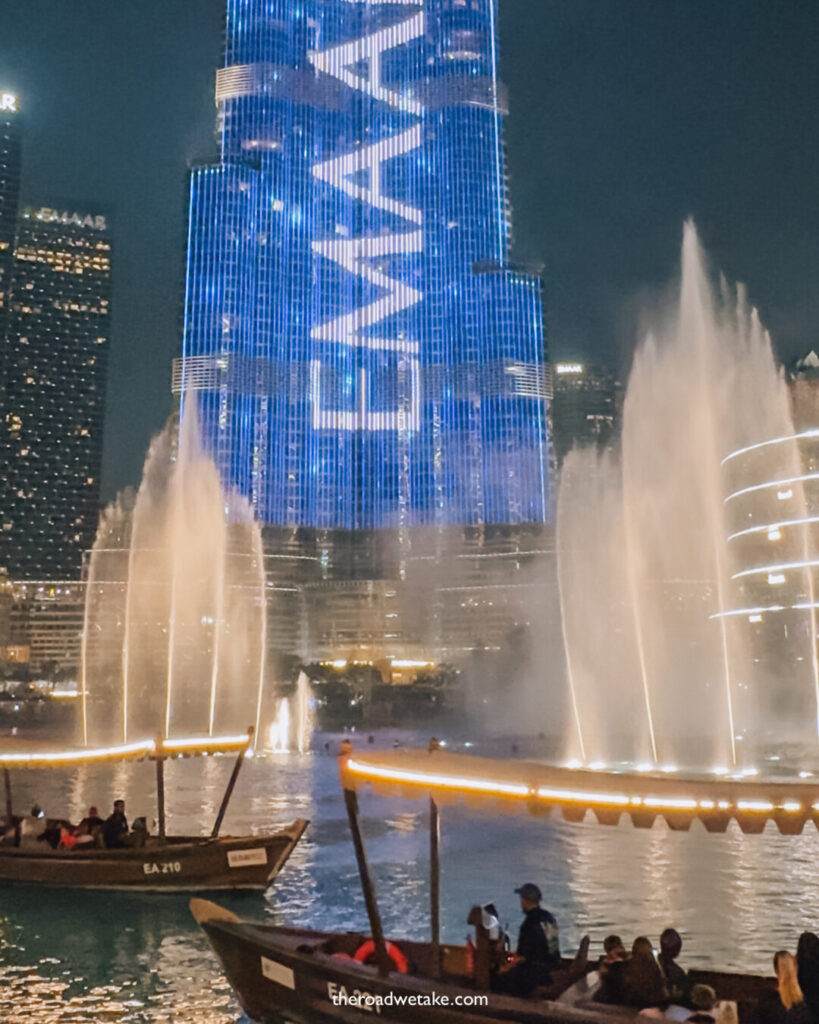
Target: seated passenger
column 32, row 826
column 139, row 832
column 67, row 838
column 676, row 980
column 538, row 950
column 91, row 821
column 807, row 968
column 787, row 1005
column 643, row 983
column 611, row 969
column 704, row 1003
column 115, row 828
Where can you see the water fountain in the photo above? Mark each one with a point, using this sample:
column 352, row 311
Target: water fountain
column 661, row 667
column 292, row 727
column 175, row 619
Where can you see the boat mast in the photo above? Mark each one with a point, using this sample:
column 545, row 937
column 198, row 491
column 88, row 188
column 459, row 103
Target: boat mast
column 9, row 809
column 160, row 787
column 383, row 960
column 435, row 875
column 234, row 775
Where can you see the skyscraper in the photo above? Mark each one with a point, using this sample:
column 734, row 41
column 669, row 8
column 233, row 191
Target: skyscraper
column 53, row 382
column 10, row 145
column 362, row 353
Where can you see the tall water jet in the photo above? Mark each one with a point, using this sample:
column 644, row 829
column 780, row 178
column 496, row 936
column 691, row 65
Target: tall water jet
column 174, row 637
column 662, row 664
column 291, row 730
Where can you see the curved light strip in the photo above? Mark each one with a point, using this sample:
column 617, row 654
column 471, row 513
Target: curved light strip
column 773, row 568
column 774, row 526
column 764, row 444
column 750, row 611
column 772, row 483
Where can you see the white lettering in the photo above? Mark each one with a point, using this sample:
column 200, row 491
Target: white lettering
column 81, row 220
column 8, row 101
column 351, row 254
column 355, row 255
column 339, row 60
column 340, row 171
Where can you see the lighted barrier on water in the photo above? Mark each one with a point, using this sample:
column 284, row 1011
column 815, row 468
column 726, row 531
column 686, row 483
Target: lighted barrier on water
column 540, row 788
column 184, row 747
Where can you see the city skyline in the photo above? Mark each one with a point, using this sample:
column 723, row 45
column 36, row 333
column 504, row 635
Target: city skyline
column 601, row 177
column 361, row 350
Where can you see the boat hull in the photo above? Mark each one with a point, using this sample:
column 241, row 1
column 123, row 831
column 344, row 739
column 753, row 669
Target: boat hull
column 181, row 864
column 279, row 975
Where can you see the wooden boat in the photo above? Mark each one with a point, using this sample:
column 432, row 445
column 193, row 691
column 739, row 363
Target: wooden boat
column 310, row 977
column 164, row 863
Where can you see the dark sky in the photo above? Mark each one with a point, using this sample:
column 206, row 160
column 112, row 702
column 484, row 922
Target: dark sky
column 626, row 117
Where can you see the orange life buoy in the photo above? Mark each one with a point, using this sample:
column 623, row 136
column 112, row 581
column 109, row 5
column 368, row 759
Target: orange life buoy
column 366, row 950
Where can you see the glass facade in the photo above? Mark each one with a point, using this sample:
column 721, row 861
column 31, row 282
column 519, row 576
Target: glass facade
column 53, row 383
column 362, row 353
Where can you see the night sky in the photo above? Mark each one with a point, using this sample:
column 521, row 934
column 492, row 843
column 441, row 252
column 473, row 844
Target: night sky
column 626, row 117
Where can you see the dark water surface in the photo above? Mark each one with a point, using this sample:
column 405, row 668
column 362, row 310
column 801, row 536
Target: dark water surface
column 73, row 958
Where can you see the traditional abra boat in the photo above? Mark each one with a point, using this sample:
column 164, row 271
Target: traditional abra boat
column 313, row 977
column 164, row 863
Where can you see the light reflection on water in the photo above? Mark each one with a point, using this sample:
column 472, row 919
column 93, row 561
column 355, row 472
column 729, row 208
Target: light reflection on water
column 72, row 958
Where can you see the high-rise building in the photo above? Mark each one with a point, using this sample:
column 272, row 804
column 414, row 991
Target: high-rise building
column 54, row 376
column 361, row 349
column 586, row 407
column 10, row 146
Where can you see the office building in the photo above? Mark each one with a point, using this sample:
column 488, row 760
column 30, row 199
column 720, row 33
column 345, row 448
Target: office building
column 362, row 351
column 10, row 147
column 54, row 376
column 586, row 407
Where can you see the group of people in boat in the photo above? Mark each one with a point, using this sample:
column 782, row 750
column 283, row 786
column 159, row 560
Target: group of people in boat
column 109, row 833
column 655, row 985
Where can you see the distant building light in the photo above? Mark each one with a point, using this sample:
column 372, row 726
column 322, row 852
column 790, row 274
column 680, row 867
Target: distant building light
column 774, row 578
column 784, row 495
column 567, row 368
column 755, row 618
column 774, row 534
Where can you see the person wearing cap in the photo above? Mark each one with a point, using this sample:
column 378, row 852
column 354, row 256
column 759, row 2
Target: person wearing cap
column 538, row 949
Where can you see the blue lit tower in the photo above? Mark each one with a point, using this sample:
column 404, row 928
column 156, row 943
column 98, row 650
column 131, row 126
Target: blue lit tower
column 363, row 354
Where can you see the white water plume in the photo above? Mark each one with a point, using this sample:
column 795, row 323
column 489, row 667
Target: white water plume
column 662, row 668
column 174, row 636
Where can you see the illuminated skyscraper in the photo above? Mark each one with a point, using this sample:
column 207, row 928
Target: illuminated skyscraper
column 10, row 145
column 362, row 352
column 53, row 381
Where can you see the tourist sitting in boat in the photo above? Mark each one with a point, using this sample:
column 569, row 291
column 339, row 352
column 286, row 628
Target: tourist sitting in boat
column 676, row 980
column 643, row 982
column 139, row 832
column 807, row 965
column 89, row 830
column 538, row 949
column 68, row 839
column 115, row 827
column 31, row 827
column 787, row 1005
column 610, row 970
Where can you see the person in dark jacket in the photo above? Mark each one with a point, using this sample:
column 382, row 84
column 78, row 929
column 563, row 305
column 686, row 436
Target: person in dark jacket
column 807, row 964
column 538, row 949
column 676, row 980
column 611, row 968
column 115, row 828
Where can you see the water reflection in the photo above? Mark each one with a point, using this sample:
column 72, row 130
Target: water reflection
column 72, row 958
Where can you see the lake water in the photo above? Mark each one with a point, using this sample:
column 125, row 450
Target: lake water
column 73, row 958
